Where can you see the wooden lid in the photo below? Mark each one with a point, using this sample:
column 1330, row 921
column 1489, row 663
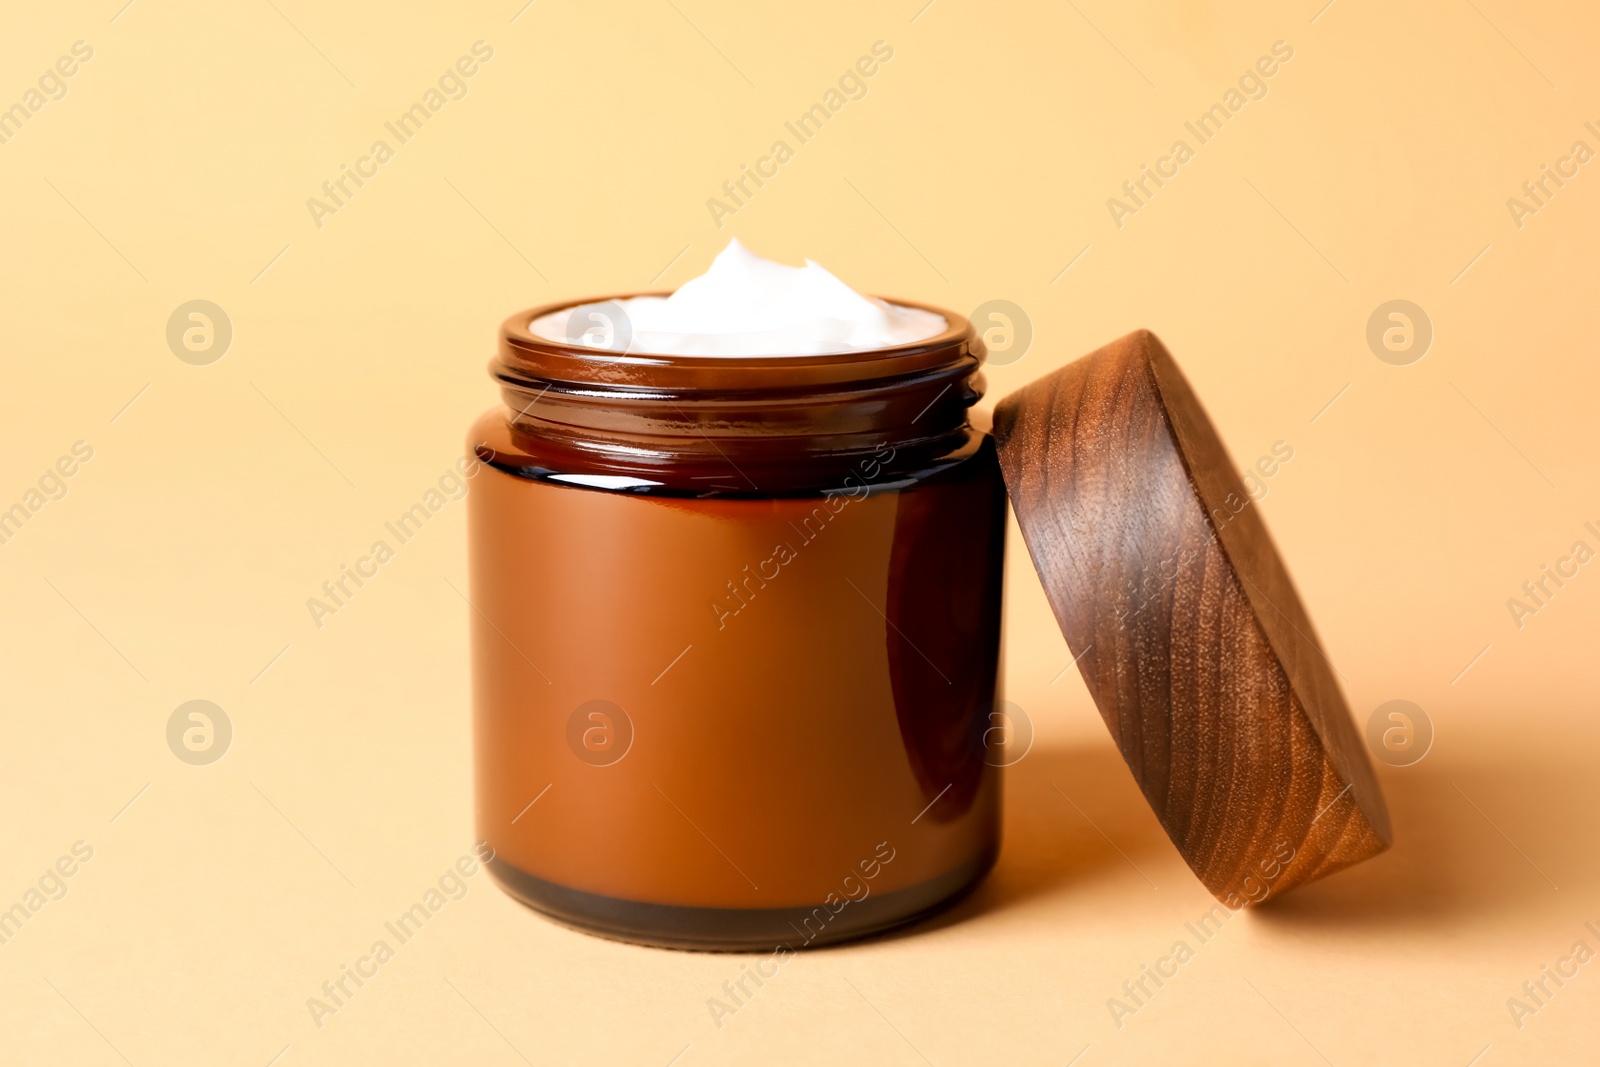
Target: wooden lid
column 1185, row 624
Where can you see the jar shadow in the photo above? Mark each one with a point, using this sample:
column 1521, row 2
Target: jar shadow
column 1475, row 843
column 1073, row 816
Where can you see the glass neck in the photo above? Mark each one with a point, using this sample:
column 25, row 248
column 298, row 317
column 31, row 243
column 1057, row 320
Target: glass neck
column 779, row 421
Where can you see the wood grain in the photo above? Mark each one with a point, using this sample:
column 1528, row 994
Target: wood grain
column 1193, row 642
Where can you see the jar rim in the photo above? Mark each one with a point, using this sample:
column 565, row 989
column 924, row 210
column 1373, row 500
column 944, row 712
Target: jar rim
column 783, row 423
column 525, row 358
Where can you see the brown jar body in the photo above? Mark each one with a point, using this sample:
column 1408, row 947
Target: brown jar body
column 726, row 704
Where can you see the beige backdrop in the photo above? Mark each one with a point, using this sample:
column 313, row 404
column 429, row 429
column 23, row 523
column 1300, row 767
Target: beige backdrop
column 175, row 162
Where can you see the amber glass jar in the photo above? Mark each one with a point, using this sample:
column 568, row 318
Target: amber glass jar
column 736, row 638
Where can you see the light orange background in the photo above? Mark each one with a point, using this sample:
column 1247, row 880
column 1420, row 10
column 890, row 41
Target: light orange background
column 978, row 166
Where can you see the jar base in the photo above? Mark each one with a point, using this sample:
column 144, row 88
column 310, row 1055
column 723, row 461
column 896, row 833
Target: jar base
column 738, row 929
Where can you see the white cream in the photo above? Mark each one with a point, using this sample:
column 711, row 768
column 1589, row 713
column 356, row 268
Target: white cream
column 745, row 306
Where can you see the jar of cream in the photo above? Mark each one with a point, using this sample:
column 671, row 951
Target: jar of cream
column 736, row 573
column 736, row 587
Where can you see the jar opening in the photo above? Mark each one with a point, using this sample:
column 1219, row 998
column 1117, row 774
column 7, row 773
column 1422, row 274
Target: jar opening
column 525, row 355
